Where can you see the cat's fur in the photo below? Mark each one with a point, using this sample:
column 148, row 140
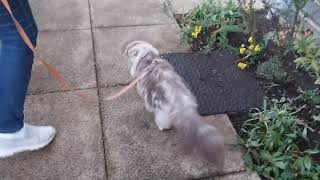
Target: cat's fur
column 166, row 95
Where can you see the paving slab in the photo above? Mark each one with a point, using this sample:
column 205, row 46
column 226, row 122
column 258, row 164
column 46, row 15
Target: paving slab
column 183, row 6
column 77, row 150
column 258, row 4
column 70, row 53
column 110, row 13
column 136, row 149
column 316, row 17
column 110, row 42
column 61, row 14
column 311, row 8
column 242, row 175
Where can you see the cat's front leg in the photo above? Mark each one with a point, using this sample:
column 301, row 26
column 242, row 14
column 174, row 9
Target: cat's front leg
column 163, row 121
column 148, row 107
column 143, row 93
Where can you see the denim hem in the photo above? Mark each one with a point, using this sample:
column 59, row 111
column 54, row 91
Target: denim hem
column 11, row 130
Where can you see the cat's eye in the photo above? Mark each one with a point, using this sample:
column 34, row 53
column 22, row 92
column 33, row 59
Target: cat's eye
column 135, row 53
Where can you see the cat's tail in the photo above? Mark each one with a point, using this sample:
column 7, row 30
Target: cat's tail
column 202, row 138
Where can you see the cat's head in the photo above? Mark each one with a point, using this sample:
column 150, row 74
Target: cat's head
column 136, row 51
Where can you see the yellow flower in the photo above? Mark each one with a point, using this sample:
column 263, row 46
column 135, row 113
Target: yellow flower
column 195, row 35
column 247, row 8
column 251, row 47
column 257, row 48
column 196, row 31
column 242, row 50
column 242, row 45
column 242, row 66
column 250, row 40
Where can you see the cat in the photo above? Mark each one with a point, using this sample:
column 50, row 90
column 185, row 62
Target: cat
column 166, row 95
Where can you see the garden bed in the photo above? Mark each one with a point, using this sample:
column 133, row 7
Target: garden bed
column 289, row 117
column 298, row 79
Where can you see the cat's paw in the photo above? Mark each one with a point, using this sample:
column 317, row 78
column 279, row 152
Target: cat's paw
column 163, row 128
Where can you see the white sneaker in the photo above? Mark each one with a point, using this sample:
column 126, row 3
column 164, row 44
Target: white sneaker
column 29, row 138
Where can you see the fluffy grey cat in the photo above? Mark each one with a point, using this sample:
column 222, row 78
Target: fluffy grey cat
column 166, row 95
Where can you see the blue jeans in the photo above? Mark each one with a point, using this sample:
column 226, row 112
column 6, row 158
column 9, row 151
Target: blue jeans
column 16, row 61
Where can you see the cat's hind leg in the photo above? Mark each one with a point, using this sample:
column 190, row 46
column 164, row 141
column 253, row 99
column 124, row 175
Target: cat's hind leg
column 163, row 121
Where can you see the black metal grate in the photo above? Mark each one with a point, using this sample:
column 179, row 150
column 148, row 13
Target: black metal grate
column 216, row 81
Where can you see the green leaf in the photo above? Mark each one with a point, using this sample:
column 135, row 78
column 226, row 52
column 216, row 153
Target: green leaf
column 316, row 99
column 291, row 135
column 284, row 157
column 307, row 163
column 231, row 28
column 298, row 163
column 253, row 143
column 248, row 160
column 276, row 171
column 317, row 53
column 304, row 133
column 315, row 176
column 287, row 174
column 268, row 169
column 316, row 118
column 280, row 164
column 266, row 155
column 315, row 65
column 277, row 154
column 240, row 141
column 276, row 138
column 317, row 81
column 301, row 61
column 312, row 151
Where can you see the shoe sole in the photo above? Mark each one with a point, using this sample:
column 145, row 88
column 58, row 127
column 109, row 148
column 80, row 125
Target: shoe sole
column 31, row 148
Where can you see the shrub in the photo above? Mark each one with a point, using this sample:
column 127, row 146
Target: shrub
column 207, row 26
column 309, row 53
column 311, row 100
column 309, row 96
column 273, row 134
column 278, row 38
column 271, row 70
